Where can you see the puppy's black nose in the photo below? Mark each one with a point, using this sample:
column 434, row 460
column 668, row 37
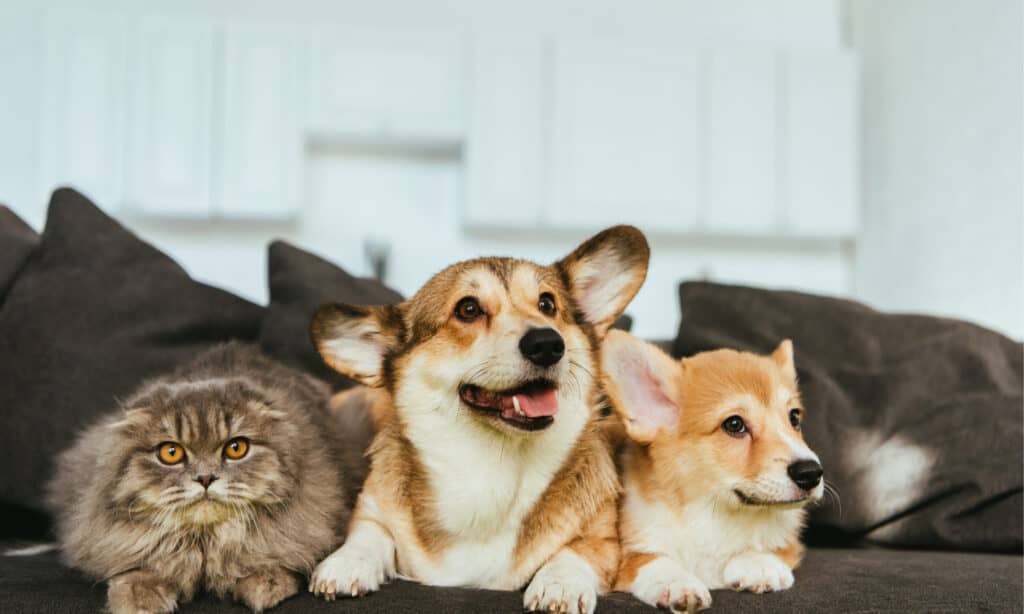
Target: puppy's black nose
column 206, row 480
column 542, row 346
column 805, row 473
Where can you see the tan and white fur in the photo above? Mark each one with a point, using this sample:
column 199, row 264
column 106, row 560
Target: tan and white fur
column 473, row 483
column 716, row 473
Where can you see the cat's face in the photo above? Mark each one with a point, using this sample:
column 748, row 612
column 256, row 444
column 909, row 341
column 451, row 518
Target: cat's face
column 202, row 453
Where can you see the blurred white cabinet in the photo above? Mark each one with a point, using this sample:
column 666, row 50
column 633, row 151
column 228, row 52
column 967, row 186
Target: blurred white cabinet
column 506, row 154
column 21, row 62
column 819, row 144
column 625, row 134
column 170, row 159
column 260, row 144
column 82, row 110
column 741, row 142
column 374, row 83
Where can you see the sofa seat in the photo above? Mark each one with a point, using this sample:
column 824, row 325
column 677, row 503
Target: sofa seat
column 830, row 580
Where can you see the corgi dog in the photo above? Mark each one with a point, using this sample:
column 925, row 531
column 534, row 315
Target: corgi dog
column 715, row 471
column 491, row 467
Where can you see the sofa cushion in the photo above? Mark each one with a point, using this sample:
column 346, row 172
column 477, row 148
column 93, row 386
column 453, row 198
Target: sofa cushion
column 93, row 313
column 917, row 419
column 830, row 580
column 299, row 283
column 17, row 239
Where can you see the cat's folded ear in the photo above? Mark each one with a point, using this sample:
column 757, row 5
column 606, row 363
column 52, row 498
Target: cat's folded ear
column 605, row 273
column 130, row 417
column 643, row 383
column 355, row 340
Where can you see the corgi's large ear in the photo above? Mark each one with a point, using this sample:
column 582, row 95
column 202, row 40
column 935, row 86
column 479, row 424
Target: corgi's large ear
column 783, row 356
column 643, row 383
column 354, row 340
column 605, row 273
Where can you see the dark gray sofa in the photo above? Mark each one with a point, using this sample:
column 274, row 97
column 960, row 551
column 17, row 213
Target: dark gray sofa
column 88, row 311
column 830, row 580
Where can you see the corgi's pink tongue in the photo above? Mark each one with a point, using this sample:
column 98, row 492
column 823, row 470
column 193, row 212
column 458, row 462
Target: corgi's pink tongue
column 532, row 405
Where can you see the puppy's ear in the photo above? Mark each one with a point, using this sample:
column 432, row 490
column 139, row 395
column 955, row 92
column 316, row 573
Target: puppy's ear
column 354, row 340
column 605, row 273
column 643, row 383
column 783, row 356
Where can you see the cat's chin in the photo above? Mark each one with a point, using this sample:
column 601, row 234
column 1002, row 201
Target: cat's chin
column 207, row 512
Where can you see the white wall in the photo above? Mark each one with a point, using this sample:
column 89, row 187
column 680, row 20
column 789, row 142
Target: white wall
column 413, row 202
column 942, row 195
column 941, row 156
column 415, row 199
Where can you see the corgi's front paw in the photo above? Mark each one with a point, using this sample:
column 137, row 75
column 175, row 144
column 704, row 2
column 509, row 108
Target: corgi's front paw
column 564, row 584
column 758, row 572
column 349, row 572
column 663, row 583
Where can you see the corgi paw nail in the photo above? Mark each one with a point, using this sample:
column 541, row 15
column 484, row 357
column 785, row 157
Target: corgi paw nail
column 665, row 585
column 758, row 573
column 346, row 574
column 561, row 590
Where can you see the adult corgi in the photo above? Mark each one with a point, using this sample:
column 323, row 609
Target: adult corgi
column 491, row 468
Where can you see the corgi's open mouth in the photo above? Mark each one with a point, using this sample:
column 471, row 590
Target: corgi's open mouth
column 530, row 407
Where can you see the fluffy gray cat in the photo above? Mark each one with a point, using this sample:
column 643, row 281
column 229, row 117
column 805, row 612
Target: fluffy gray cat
column 229, row 475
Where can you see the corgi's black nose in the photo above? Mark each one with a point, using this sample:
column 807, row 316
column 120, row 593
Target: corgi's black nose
column 805, row 473
column 542, row 346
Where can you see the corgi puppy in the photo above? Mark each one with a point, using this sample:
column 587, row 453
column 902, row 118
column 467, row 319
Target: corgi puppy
column 491, row 467
column 715, row 471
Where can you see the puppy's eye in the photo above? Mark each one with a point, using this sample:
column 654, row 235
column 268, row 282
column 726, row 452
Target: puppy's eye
column 170, row 453
column 734, row 425
column 796, row 417
column 236, row 448
column 468, row 309
column 546, row 304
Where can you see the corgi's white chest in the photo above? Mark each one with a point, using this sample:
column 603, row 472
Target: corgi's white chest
column 484, row 488
column 703, row 540
column 486, row 563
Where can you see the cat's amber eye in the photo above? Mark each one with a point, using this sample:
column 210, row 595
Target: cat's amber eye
column 170, row 453
column 236, row 448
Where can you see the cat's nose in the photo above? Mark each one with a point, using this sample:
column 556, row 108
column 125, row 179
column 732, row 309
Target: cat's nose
column 206, row 480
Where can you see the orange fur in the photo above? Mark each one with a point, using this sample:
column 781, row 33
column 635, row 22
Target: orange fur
column 632, row 562
column 792, row 554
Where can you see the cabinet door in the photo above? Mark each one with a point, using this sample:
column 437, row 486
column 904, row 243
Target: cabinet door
column 172, row 124
column 393, row 83
column 84, row 74
column 820, row 145
column 20, row 35
column 506, row 153
column 260, row 137
column 741, row 142
column 625, row 134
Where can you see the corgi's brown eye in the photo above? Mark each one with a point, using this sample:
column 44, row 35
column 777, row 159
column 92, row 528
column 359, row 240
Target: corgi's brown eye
column 237, row 448
column 796, row 417
column 468, row 309
column 734, row 425
column 170, row 453
column 546, row 304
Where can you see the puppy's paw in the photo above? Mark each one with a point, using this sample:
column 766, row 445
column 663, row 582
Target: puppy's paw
column 140, row 592
column 266, row 588
column 663, row 583
column 758, row 572
column 349, row 572
column 565, row 584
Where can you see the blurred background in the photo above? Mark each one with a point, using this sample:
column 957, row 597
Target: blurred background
column 861, row 148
